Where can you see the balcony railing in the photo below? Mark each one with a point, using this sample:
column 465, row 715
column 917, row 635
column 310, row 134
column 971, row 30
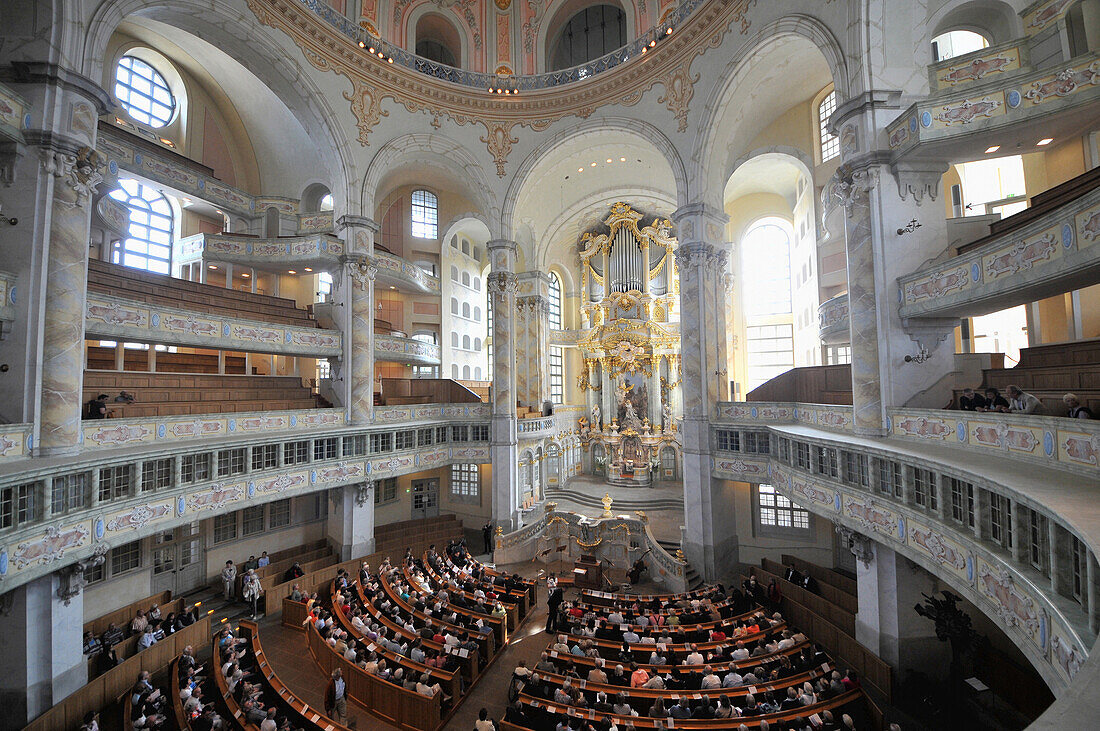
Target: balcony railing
column 402, row 273
column 832, row 320
column 392, row 348
column 317, row 251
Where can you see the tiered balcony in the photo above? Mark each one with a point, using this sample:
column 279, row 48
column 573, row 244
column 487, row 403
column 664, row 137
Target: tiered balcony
column 832, row 320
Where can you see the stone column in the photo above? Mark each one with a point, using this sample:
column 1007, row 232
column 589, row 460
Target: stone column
column 353, row 294
column 607, row 392
column 501, row 286
column 710, row 538
column 350, row 524
column 41, row 660
column 655, row 393
column 890, row 585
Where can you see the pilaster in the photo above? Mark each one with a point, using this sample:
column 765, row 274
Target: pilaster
column 501, row 286
column 350, row 525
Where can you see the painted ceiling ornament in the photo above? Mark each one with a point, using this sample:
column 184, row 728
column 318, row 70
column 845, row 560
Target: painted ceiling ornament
column 366, row 105
column 499, row 141
column 679, row 89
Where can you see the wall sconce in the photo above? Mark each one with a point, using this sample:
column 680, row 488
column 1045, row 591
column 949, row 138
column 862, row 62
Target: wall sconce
column 909, row 227
column 921, row 356
column 10, row 220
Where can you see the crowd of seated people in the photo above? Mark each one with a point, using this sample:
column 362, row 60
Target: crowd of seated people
column 149, row 626
column 257, row 701
column 1017, row 401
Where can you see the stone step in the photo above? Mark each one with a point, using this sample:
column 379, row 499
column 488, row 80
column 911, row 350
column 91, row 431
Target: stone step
column 619, row 504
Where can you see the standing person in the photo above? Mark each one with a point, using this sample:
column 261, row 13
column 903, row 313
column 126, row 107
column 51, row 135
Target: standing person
column 229, row 579
column 554, row 599
column 487, row 534
column 252, row 590
column 336, row 702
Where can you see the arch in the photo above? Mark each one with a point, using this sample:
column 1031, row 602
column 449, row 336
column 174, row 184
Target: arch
column 561, row 48
column 426, row 25
column 271, row 222
column 477, row 314
column 477, row 373
column 466, row 246
column 465, row 279
column 635, row 128
column 466, row 373
column 552, row 26
column 454, row 305
column 477, row 344
column 454, row 339
column 454, row 273
column 454, row 371
column 466, row 310
column 240, row 35
column 466, row 342
column 994, row 19
column 434, row 151
column 711, row 151
column 312, row 197
column 477, row 283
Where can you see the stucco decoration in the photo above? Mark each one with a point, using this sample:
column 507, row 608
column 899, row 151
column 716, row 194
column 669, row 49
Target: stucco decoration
column 367, row 108
column 679, row 89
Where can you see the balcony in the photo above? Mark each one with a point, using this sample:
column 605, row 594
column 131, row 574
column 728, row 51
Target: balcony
column 832, row 320
column 396, row 348
column 1043, row 466
column 316, row 251
column 398, row 273
column 982, row 97
column 1048, row 249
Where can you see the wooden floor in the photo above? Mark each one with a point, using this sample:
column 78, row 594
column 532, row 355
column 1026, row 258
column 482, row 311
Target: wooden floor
column 286, row 649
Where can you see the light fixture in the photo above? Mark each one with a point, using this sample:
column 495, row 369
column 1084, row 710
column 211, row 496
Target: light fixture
column 370, row 50
column 308, row 269
column 392, row 287
column 390, row 60
column 580, row 170
column 644, row 49
column 381, row 55
column 212, row 267
column 291, row 271
column 909, row 227
column 652, row 44
column 622, row 159
column 609, row 159
column 592, row 165
column 246, row 275
column 362, row 45
column 1044, row 141
column 921, row 356
column 668, row 32
column 994, row 148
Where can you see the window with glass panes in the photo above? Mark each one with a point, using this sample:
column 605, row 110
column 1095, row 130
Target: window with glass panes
column 855, row 469
column 424, row 437
column 231, row 462
column 785, row 450
column 156, row 475
column 441, row 435
column 459, row 433
column 265, row 456
column 962, row 501
column 295, row 452
column 17, row 504
column 194, row 468
column 405, row 439
column 225, row 527
column 889, row 478
column 925, row 493
column 1080, row 567
column 381, row 442
column 143, row 92
column 280, row 513
column 557, row 375
column 114, row 482
column 757, row 443
column 1000, row 520
column 70, row 492
column 385, row 491
column 830, row 144
column 465, row 486
column 777, row 511
column 826, row 461
column 479, row 433
column 770, row 352
column 425, row 215
column 252, row 520
column 126, row 557
column 802, row 455
column 1037, row 538
column 355, row 446
column 149, row 242
column 728, row 440
column 324, row 448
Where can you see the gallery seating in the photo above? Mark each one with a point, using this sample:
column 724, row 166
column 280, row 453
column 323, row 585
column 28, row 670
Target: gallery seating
column 170, row 394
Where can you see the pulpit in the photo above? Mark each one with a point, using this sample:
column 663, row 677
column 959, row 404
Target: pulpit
column 587, row 573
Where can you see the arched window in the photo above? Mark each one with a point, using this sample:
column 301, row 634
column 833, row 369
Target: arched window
column 326, row 203
column 466, row 310
column 477, row 344
column 830, row 143
column 957, row 43
column 454, row 340
column 591, row 33
column 466, row 373
column 149, row 244
column 477, row 314
column 454, row 306
column 425, row 336
column 465, row 342
column 143, row 92
column 454, row 273
column 454, row 371
column 465, row 247
column 766, row 273
column 477, row 373
column 466, row 278
column 324, row 286
column 454, row 241
column 437, row 40
column 425, row 215
column 477, row 284
column 555, row 301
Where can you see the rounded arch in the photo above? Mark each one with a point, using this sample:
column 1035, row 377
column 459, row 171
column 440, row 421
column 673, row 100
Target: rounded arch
column 551, row 28
column 237, row 33
column 426, row 23
column 994, row 19
column 166, row 68
column 312, row 197
column 431, row 151
column 635, row 129
column 713, row 152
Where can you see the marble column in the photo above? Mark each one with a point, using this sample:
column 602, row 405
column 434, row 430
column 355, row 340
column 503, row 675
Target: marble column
column 610, row 409
column 710, row 542
column 654, row 404
column 889, row 586
column 360, row 375
column 501, row 286
column 41, row 646
column 350, row 525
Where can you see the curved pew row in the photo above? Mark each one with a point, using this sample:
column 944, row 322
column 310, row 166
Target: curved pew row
column 499, row 625
column 513, row 615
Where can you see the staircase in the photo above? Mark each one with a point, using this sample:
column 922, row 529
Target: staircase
column 596, row 501
column 694, row 580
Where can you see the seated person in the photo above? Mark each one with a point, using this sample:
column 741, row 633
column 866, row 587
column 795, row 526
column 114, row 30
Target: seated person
column 994, row 401
column 1076, row 410
column 1021, row 402
column 971, row 401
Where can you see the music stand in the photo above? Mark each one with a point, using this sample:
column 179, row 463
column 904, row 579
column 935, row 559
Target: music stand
column 560, row 559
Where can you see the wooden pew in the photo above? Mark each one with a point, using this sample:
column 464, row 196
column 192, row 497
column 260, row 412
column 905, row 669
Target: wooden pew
column 393, row 704
column 174, row 688
column 486, row 643
column 500, row 626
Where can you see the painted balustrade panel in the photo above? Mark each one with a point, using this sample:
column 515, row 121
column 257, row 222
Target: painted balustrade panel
column 311, row 223
column 113, row 433
column 765, row 412
column 320, row 251
column 15, row 441
column 393, row 268
column 1068, row 443
column 429, row 412
column 984, row 66
column 1058, row 244
column 406, row 350
column 115, row 318
column 832, row 319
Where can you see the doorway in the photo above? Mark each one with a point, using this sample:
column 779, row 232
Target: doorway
column 177, row 560
column 425, row 498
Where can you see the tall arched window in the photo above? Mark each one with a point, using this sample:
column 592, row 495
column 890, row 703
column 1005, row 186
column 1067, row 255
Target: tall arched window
column 454, row 339
column 143, row 92
column 466, row 279
column 557, row 361
column 425, row 215
column 957, row 43
column 454, row 306
column 465, row 342
column 466, row 310
column 149, row 244
column 766, row 273
column 477, row 314
column 454, row 273
column 830, row 143
column 593, row 32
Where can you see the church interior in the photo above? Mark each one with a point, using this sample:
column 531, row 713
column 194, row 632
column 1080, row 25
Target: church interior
column 549, row 365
